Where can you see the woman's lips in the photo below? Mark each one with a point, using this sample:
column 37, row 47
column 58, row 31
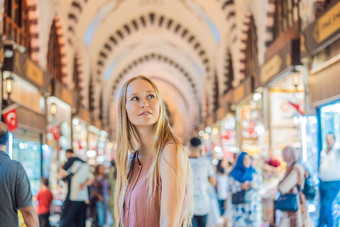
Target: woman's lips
column 145, row 113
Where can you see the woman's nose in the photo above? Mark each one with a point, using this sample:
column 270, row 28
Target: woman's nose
column 144, row 103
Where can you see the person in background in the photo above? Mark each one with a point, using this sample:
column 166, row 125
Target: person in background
column 112, row 178
column 222, row 184
column 203, row 176
column 15, row 190
column 99, row 194
column 242, row 178
column 256, row 202
column 78, row 176
column 329, row 173
column 291, row 182
column 44, row 198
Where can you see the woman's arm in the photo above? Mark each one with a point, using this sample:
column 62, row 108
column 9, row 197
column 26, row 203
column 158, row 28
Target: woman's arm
column 173, row 171
column 289, row 182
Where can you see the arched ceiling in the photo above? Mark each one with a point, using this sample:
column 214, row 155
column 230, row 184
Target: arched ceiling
column 181, row 44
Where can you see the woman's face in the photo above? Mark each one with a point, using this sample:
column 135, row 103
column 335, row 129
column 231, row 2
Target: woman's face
column 246, row 161
column 142, row 106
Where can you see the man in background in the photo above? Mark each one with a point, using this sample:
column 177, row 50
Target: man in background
column 15, row 190
column 78, row 176
column 329, row 174
column 203, row 176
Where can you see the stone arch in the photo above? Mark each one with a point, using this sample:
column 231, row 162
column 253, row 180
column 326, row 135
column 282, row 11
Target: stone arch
column 154, row 20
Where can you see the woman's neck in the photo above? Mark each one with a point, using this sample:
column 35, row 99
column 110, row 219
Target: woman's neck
column 146, row 135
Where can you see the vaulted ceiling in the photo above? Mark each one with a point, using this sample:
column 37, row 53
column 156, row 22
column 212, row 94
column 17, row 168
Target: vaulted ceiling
column 188, row 47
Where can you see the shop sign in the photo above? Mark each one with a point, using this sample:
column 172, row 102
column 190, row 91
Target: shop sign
column 271, row 68
column 1, row 50
column 285, row 57
column 321, row 31
column 239, row 93
column 84, row 115
column 29, row 70
column 34, row 73
column 63, row 93
column 66, row 96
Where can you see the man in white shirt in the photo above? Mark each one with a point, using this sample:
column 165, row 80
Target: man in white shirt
column 78, row 176
column 202, row 172
column 329, row 173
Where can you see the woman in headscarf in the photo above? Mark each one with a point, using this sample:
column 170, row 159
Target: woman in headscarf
column 242, row 178
column 293, row 182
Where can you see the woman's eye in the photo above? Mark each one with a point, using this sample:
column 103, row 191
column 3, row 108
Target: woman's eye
column 134, row 99
column 151, row 96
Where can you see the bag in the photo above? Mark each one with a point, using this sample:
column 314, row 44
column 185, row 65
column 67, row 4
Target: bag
column 287, row 202
column 240, row 197
column 309, row 189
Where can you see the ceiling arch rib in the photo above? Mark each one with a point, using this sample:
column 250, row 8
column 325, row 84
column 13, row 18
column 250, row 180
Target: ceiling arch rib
column 155, row 20
column 159, row 57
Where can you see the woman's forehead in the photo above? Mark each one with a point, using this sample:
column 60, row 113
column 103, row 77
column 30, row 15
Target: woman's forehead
column 139, row 86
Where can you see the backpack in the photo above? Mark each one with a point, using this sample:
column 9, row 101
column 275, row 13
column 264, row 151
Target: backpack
column 309, row 189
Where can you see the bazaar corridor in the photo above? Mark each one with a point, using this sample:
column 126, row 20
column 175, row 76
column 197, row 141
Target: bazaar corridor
column 143, row 113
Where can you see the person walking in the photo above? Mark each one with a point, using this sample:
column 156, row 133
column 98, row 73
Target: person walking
column 15, row 190
column 99, row 194
column 329, row 174
column 44, row 198
column 293, row 182
column 203, row 176
column 222, row 184
column 112, row 178
column 153, row 185
column 242, row 184
column 78, row 176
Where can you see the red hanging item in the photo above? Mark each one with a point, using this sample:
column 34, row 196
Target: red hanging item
column 55, row 130
column 10, row 116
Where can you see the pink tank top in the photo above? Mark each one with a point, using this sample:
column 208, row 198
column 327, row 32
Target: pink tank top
column 137, row 210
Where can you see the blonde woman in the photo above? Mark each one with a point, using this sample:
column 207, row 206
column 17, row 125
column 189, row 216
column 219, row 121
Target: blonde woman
column 153, row 172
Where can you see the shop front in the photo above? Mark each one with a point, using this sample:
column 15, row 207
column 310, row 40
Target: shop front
column 320, row 51
column 23, row 109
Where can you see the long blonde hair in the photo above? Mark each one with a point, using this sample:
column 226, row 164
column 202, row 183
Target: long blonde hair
column 127, row 141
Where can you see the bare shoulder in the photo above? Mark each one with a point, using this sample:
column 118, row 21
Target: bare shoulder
column 172, row 155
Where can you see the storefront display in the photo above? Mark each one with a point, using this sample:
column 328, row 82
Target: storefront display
column 309, row 158
column 228, row 136
column 26, row 149
column 329, row 117
column 286, row 99
column 251, row 128
column 79, row 142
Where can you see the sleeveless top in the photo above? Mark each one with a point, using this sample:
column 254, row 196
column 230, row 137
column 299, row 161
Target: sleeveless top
column 137, row 210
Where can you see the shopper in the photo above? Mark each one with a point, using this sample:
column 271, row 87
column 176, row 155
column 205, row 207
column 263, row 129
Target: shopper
column 15, row 191
column 256, row 201
column 112, row 182
column 99, row 194
column 154, row 183
column 242, row 182
column 222, row 184
column 329, row 180
column 203, row 176
column 293, row 182
column 78, row 176
column 44, row 198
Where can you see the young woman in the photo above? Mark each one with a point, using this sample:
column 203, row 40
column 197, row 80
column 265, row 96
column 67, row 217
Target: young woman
column 154, row 182
column 99, row 194
column 294, row 178
column 242, row 177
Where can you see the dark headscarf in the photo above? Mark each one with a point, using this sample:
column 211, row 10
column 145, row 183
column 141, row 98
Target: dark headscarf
column 240, row 172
